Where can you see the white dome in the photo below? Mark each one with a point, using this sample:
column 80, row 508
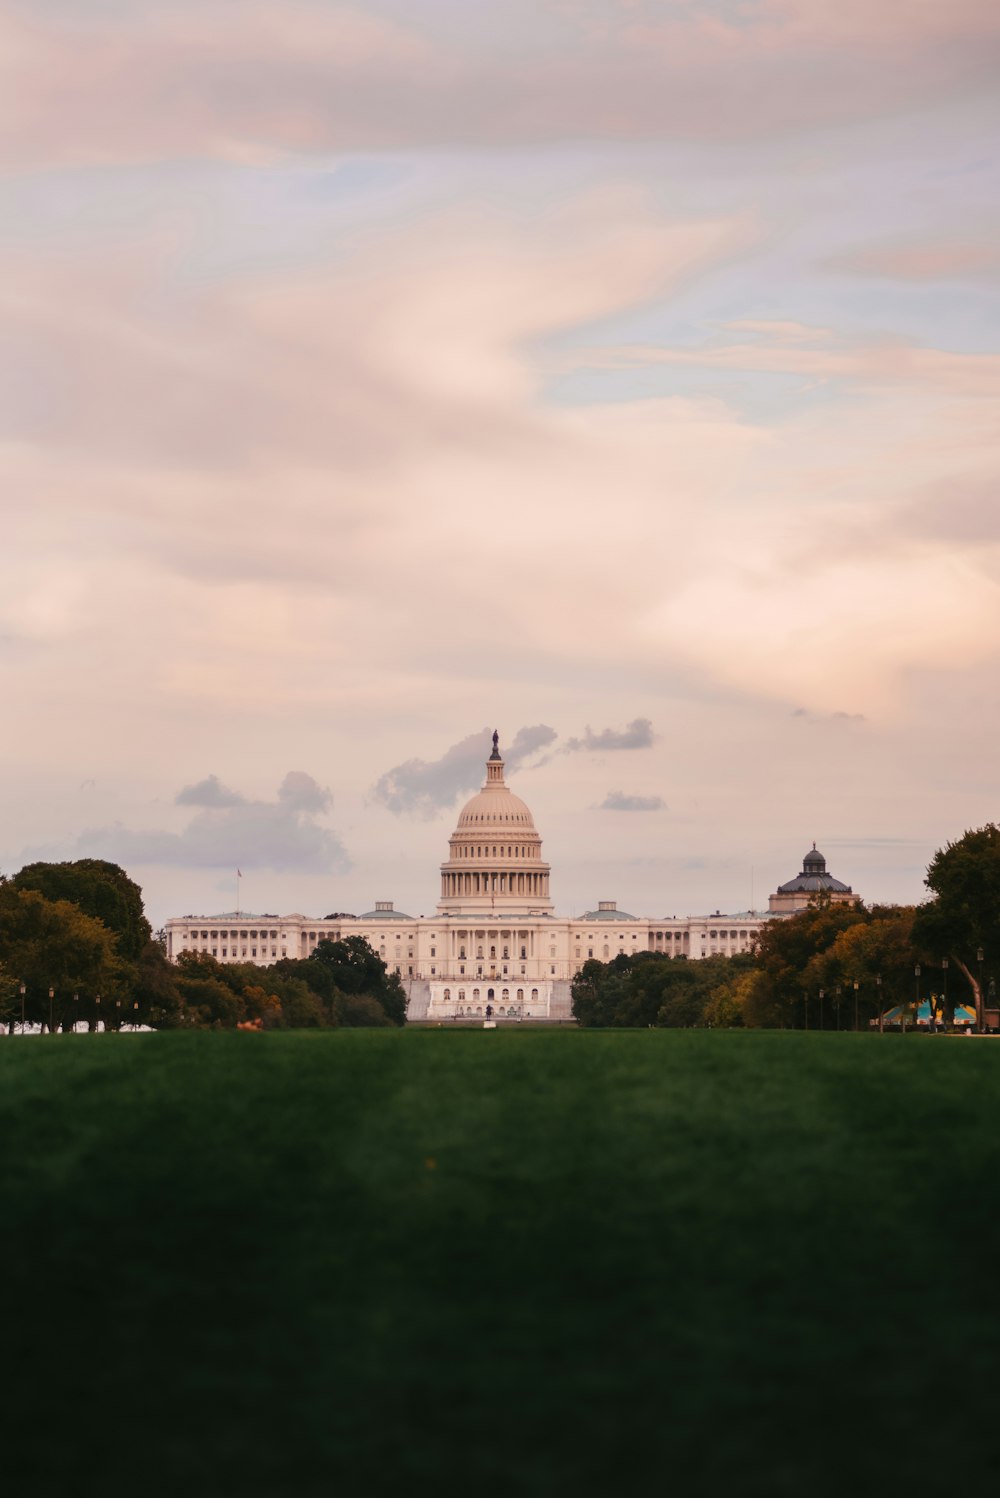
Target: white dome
column 495, row 806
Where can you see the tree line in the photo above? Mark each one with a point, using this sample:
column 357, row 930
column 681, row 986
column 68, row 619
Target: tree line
column 75, row 946
column 829, row 965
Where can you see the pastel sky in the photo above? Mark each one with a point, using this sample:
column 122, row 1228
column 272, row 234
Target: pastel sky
column 623, row 376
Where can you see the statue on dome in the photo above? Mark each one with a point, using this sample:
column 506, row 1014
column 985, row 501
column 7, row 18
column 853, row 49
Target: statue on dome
column 496, row 741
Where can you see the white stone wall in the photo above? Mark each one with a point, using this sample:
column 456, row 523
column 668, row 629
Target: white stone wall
column 512, row 951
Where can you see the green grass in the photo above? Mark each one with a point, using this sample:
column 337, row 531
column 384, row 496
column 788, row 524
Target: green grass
column 521, row 1262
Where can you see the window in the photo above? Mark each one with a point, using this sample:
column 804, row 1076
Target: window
column 447, row 995
column 520, row 995
column 534, row 995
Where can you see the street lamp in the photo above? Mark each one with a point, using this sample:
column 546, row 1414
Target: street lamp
column 97, row 1018
column 805, row 1007
column 822, row 994
column 52, row 994
column 856, row 986
column 980, row 1017
column 916, row 1011
column 836, row 1000
column 22, row 1008
column 878, row 995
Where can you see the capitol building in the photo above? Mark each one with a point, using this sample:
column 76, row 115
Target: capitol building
column 495, row 939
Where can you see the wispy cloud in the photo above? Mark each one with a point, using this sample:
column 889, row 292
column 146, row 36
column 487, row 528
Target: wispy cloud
column 282, row 835
column 924, row 257
column 340, row 78
column 621, row 801
column 636, row 735
column 423, row 788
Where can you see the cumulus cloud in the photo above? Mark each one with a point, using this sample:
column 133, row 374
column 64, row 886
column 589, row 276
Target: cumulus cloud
column 208, row 792
column 281, row 835
column 637, row 735
column 299, row 792
column 423, row 788
column 620, row 801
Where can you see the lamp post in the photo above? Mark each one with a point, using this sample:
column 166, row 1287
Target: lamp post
column 805, row 1008
column 822, row 995
column 76, row 1011
column 916, row 1011
column 836, row 1000
column 878, row 995
column 980, row 1017
column 52, row 994
column 97, row 1017
column 856, row 987
column 22, row 1007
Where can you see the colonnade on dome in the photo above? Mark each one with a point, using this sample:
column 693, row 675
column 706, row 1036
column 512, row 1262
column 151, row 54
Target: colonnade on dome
column 495, row 864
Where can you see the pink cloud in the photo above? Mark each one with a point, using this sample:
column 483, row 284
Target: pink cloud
column 249, row 80
column 924, row 259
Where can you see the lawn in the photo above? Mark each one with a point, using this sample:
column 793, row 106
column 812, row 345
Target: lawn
column 521, row 1262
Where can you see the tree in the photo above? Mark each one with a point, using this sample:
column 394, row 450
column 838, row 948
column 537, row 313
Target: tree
column 963, row 917
column 51, row 944
column 881, row 946
column 99, row 889
column 154, row 988
column 782, row 954
column 352, row 966
column 648, row 988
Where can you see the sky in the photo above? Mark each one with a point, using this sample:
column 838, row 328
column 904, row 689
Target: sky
column 621, row 376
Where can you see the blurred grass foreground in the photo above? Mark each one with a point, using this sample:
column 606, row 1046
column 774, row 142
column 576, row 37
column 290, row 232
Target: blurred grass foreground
column 524, row 1262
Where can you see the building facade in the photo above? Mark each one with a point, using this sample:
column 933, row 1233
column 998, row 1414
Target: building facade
column 812, row 884
column 494, row 941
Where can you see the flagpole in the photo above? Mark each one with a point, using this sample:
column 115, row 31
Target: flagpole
column 238, row 878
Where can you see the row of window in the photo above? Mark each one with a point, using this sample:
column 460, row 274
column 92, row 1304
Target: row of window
column 466, row 850
column 490, row 994
column 233, row 935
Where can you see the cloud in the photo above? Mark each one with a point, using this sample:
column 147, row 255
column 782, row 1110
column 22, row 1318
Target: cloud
column 637, row 735
column 924, row 258
column 840, row 715
column 299, row 792
column 290, row 76
column 281, row 835
column 208, row 792
column 619, row 801
column 423, row 788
